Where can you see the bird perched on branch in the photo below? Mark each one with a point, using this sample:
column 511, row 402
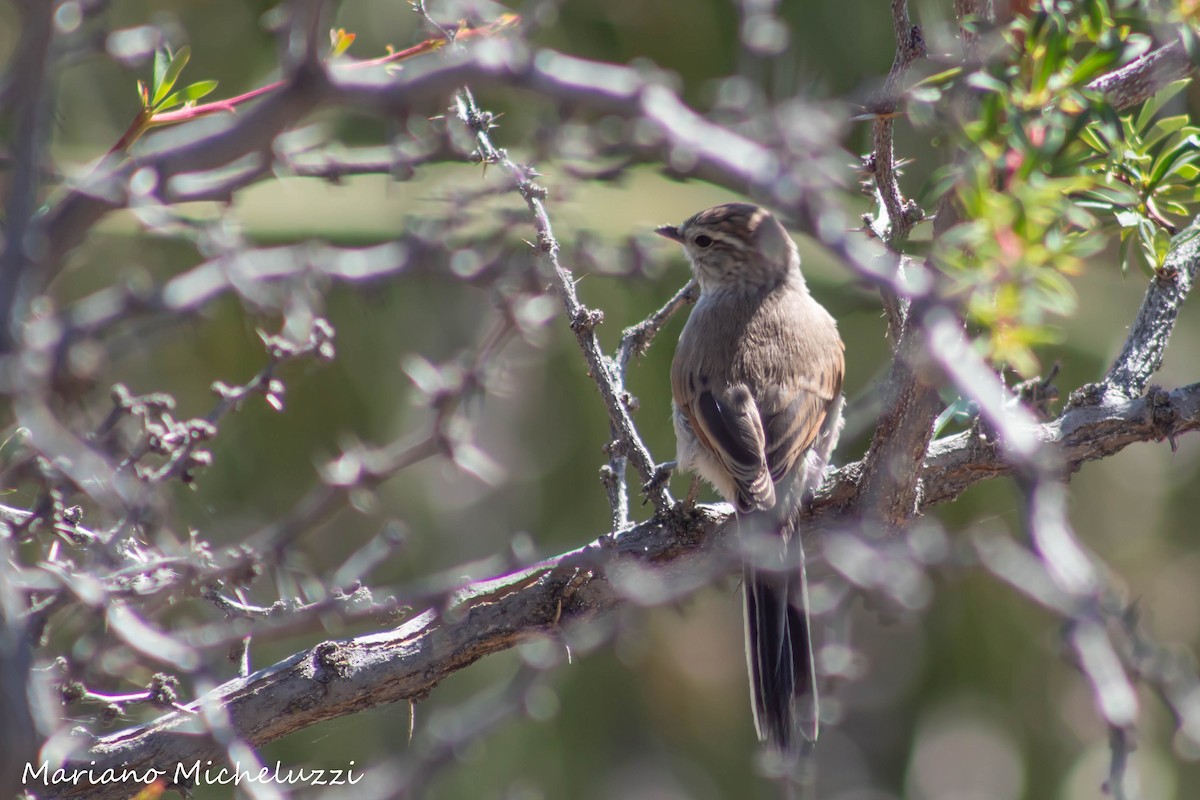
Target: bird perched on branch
column 757, row 389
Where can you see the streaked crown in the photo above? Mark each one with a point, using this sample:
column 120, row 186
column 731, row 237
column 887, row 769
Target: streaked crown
column 737, row 245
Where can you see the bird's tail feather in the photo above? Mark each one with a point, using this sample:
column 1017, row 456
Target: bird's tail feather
column 779, row 652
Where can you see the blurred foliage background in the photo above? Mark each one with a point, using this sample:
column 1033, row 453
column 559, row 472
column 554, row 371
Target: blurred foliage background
column 967, row 697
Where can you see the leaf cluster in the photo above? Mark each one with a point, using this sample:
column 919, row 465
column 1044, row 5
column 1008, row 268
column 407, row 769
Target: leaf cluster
column 168, row 66
column 1147, row 169
column 1052, row 173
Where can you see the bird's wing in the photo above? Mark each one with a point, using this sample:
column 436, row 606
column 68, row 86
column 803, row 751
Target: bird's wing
column 794, row 409
column 728, row 426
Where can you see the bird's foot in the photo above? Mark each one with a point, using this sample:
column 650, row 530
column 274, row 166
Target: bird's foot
column 662, row 474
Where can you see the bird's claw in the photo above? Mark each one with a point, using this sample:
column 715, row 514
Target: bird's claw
column 662, row 474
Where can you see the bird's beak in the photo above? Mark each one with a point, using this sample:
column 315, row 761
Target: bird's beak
column 671, row 232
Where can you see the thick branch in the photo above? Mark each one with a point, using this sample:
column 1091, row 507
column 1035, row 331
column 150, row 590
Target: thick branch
column 1081, row 434
column 1141, row 78
column 891, row 486
column 1142, row 354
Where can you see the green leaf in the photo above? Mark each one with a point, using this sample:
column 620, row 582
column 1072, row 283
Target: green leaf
column 162, row 59
column 1123, row 252
column 16, row 439
column 170, row 75
column 1170, row 207
column 1078, row 124
column 987, row 83
column 1142, row 257
column 939, row 78
column 1146, row 231
column 1162, row 246
column 1107, row 125
column 1055, row 57
column 1096, row 205
column 1092, row 138
column 1037, row 335
column 1118, row 194
column 1154, row 104
column 1188, row 172
column 928, row 95
column 1057, row 294
column 961, row 410
column 188, row 95
column 1099, row 17
column 1163, row 128
column 1128, row 219
column 1130, row 135
column 1092, row 65
column 1191, row 43
column 1188, row 151
column 1172, row 124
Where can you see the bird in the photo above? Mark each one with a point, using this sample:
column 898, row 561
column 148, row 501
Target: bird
column 756, row 385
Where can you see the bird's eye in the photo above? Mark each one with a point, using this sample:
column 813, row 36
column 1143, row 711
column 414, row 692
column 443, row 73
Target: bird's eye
column 703, row 241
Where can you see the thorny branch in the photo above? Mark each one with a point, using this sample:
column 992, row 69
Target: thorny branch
column 583, row 321
column 1140, row 79
column 635, row 341
column 1142, row 353
column 898, row 215
column 910, row 402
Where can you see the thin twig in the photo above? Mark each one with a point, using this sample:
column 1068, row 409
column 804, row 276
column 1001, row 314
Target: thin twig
column 583, row 321
column 635, row 340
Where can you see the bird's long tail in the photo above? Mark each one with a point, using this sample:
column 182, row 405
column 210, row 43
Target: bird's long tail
column 779, row 652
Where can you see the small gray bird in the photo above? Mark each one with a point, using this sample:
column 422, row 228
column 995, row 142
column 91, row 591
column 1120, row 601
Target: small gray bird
column 757, row 388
